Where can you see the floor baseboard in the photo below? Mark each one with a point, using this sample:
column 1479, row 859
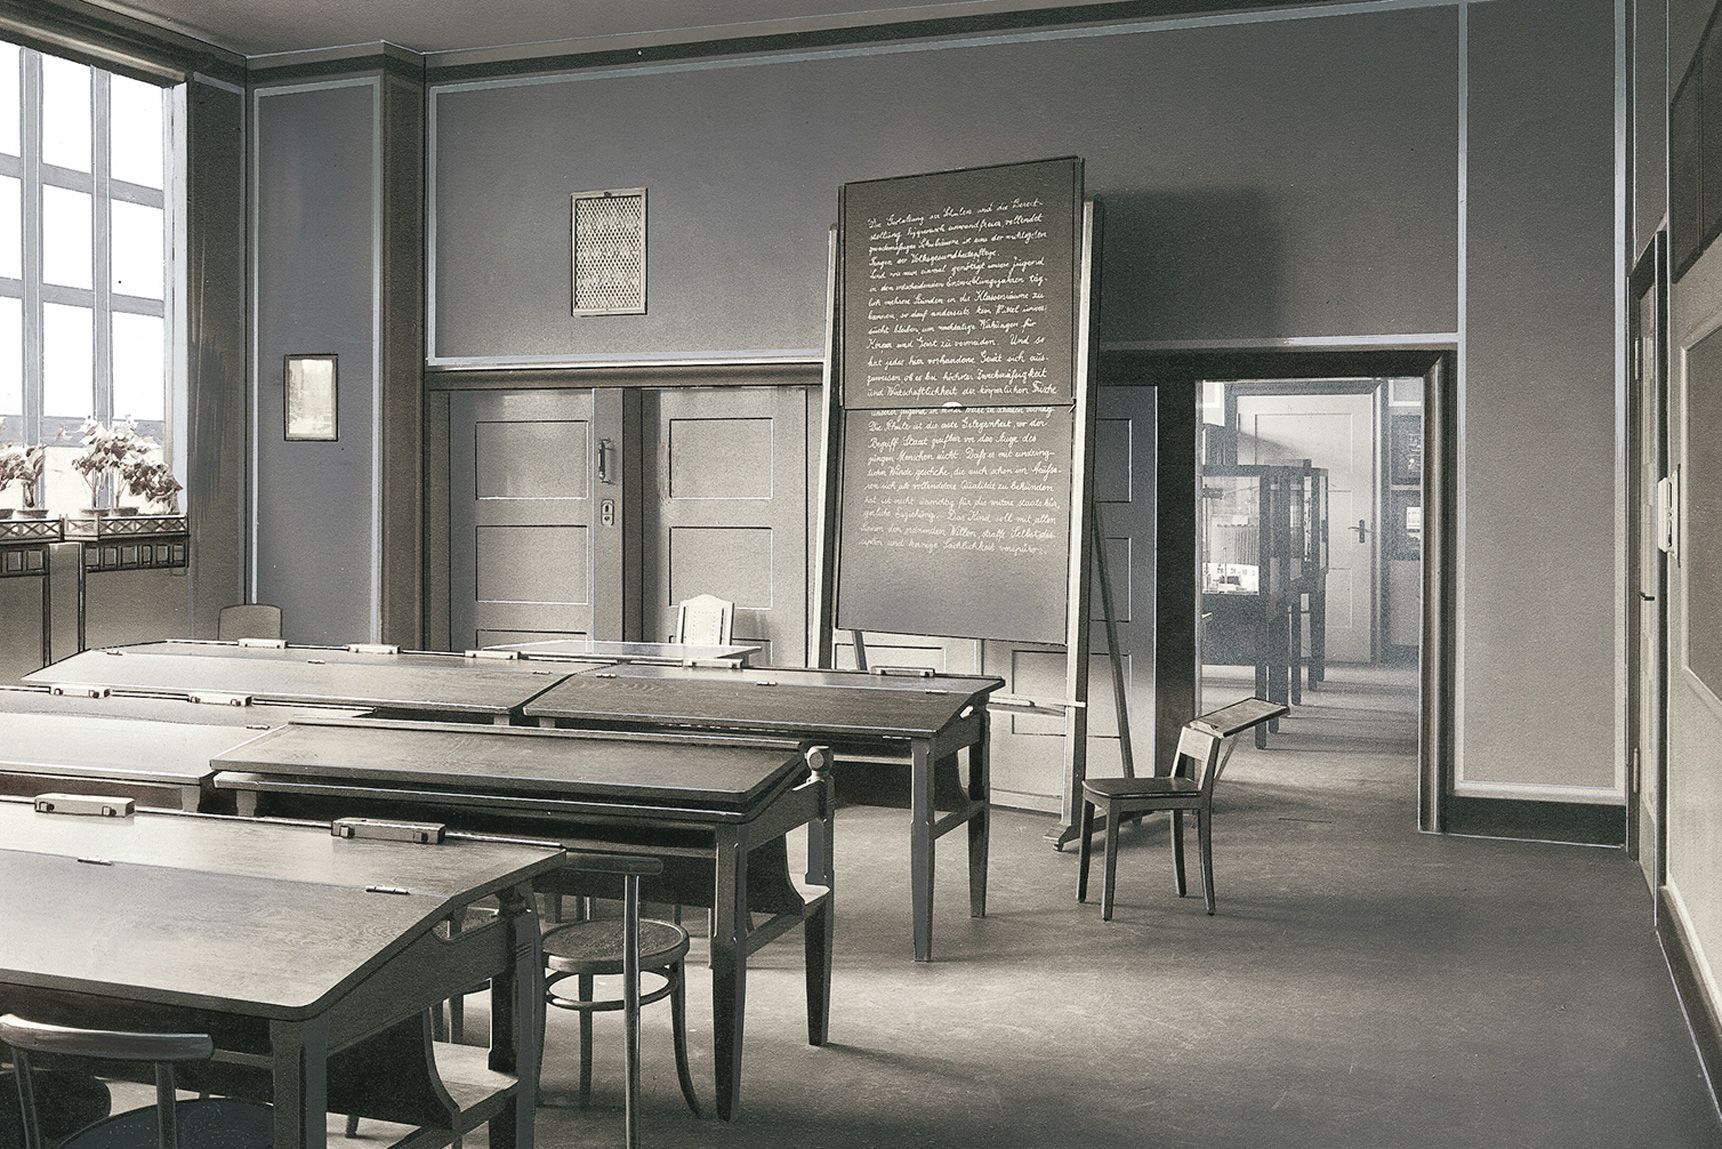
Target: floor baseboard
column 1701, row 1012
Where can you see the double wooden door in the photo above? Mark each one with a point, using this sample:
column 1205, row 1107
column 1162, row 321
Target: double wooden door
column 593, row 512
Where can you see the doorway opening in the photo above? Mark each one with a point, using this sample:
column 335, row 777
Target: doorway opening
column 1316, row 490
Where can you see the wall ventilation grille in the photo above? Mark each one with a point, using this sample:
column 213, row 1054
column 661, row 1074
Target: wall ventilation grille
column 610, row 252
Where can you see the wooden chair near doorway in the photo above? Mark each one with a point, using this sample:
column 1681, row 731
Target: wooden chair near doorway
column 1204, row 747
column 704, row 620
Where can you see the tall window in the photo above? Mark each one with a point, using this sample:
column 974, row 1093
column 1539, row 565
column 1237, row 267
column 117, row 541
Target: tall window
column 84, row 256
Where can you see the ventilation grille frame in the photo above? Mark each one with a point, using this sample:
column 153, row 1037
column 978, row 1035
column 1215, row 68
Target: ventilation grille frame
column 607, row 252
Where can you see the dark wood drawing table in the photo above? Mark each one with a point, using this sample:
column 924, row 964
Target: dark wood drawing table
column 717, row 811
column 426, row 685
column 860, row 715
column 311, row 960
column 156, row 763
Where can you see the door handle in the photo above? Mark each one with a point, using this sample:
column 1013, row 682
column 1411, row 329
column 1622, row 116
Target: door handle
column 1646, row 597
column 604, row 462
column 1362, row 529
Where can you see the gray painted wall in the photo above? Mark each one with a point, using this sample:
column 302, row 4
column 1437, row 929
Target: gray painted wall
column 1537, row 659
column 1260, row 180
column 315, row 214
column 1295, row 178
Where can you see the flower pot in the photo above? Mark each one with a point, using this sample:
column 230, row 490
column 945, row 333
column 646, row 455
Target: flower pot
column 31, row 512
column 5, row 512
column 126, row 510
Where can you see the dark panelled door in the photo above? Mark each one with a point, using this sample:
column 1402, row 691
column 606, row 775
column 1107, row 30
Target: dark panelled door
column 520, row 505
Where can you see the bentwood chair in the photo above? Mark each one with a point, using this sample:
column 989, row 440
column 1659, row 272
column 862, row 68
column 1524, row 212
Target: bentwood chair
column 66, row 1101
column 588, row 948
column 704, row 620
column 1204, row 747
column 172, row 1124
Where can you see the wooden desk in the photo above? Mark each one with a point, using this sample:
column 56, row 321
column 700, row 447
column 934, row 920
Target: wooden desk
column 431, row 685
column 859, row 714
column 716, row 812
column 156, row 763
column 155, row 708
column 309, row 959
column 600, row 650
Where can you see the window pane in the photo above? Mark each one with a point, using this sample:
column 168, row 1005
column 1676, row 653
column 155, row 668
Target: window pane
column 65, row 237
column 137, row 250
column 63, row 488
column 136, row 131
column 138, row 367
column 65, row 113
column 11, row 359
column 11, row 228
column 68, row 361
column 10, row 129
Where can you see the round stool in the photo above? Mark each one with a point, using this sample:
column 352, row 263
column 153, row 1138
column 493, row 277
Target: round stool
column 587, row 949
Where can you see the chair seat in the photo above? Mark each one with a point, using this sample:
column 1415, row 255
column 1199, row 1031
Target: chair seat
column 218, row 1123
column 595, row 947
column 1175, row 786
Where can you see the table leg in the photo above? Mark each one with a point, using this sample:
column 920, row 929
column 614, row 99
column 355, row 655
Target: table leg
column 820, row 927
column 980, row 790
column 515, row 995
column 921, row 817
column 300, row 1051
column 729, row 966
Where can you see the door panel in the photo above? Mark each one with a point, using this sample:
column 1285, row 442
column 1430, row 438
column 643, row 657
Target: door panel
column 1646, row 671
column 1339, row 433
column 726, row 513
column 520, row 509
column 1028, row 750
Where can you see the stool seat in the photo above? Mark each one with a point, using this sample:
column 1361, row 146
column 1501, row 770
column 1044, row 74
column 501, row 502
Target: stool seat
column 595, row 947
column 1159, row 786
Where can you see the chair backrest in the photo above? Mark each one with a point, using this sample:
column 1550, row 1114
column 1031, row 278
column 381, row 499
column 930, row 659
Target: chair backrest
column 27, row 1037
column 1202, row 749
column 248, row 620
column 704, row 620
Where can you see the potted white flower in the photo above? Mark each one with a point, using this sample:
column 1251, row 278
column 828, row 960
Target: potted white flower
column 106, row 449
column 22, row 465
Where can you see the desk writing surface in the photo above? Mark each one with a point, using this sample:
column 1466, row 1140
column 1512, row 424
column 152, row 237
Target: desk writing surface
column 968, row 685
column 537, row 763
column 213, row 934
column 603, row 650
column 460, row 687
column 729, row 700
column 41, row 700
column 335, row 655
column 1240, row 716
column 82, row 745
column 304, row 853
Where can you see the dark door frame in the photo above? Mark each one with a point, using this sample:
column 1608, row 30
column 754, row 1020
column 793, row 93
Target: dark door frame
column 1180, row 375
column 1648, row 278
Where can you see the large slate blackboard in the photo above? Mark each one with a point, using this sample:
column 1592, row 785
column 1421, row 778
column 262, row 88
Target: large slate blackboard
column 956, row 522
column 958, row 402
column 960, row 287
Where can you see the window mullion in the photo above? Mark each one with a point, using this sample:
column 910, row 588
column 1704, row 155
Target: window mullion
column 101, row 243
column 31, row 199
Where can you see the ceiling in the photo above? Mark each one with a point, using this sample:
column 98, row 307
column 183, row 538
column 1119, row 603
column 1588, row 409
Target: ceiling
column 263, row 27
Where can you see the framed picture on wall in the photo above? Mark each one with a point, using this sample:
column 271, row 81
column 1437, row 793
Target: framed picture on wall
column 1405, row 525
column 310, row 393
column 1405, row 449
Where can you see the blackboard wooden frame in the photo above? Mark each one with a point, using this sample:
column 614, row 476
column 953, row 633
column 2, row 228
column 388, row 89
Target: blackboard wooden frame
column 829, row 614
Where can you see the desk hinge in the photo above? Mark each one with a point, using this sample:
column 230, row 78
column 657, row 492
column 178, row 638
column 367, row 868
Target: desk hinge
column 382, row 830
column 94, row 805
column 264, row 643
column 78, row 690
column 372, row 648
column 500, row 655
column 386, row 890
column 902, row 671
column 219, row 699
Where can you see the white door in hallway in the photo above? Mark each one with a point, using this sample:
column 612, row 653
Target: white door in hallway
column 1341, row 434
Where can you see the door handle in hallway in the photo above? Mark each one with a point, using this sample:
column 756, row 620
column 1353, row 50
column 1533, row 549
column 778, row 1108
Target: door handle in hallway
column 1362, row 529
